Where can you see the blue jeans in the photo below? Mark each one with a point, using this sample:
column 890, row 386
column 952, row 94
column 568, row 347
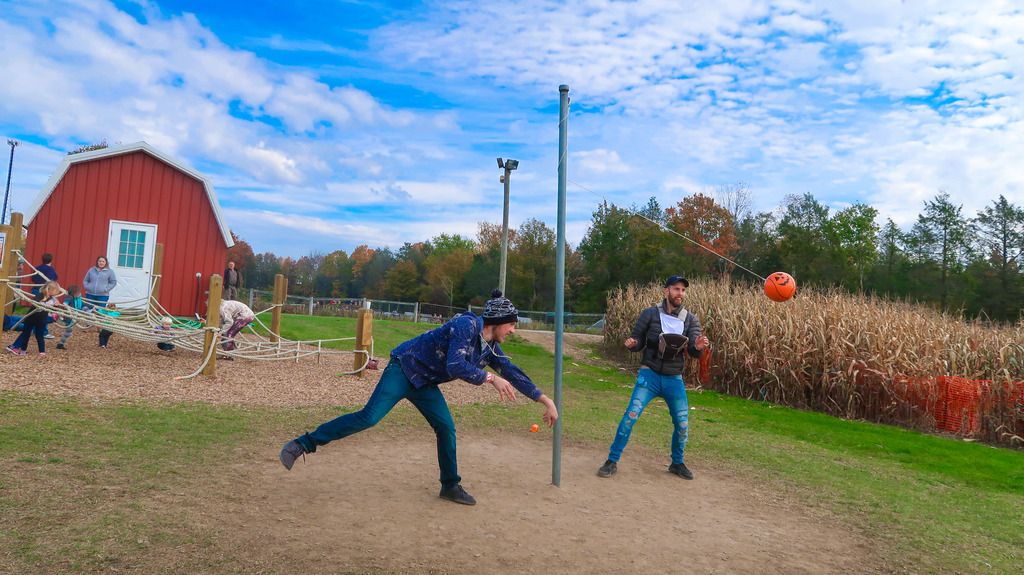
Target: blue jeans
column 94, row 300
column 392, row 388
column 33, row 325
column 649, row 385
column 46, row 326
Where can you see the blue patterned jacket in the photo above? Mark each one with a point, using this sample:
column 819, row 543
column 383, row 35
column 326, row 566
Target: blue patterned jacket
column 456, row 351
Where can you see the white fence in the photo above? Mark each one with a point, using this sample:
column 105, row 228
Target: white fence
column 422, row 312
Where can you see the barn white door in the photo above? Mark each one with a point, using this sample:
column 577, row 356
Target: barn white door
column 130, row 254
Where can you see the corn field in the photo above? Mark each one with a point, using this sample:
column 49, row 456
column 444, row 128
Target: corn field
column 856, row 357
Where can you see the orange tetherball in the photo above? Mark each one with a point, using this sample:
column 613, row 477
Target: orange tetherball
column 534, row 428
column 779, row 286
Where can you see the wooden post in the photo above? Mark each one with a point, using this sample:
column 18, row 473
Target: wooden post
column 364, row 333
column 6, row 289
column 280, row 295
column 212, row 320
column 416, row 314
column 12, row 242
column 158, row 270
column 250, row 298
column 310, row 305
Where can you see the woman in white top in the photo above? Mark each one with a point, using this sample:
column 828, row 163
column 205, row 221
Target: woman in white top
column 237, row 315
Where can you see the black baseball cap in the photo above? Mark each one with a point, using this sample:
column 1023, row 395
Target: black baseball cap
column 673, row 280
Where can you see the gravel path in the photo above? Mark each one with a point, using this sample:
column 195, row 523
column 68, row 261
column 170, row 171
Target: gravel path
column 130, row 370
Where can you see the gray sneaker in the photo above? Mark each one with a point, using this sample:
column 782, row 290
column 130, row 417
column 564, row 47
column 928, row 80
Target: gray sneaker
column 290, row 452
column 457, row 494
column 608, row 469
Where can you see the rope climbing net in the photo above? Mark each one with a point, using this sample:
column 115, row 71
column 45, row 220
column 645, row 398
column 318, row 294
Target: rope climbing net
column 145, row 324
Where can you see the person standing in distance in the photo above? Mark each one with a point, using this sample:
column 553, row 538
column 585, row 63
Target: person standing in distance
column 232, row 281
column 459, row 349
column 99, row 281
column 665, row 333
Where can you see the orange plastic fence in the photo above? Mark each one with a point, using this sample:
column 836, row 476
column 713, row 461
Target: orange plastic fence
column 959, row 412
column 956, row 403
column 962, row 401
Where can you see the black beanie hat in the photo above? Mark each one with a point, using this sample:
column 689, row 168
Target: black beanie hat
column 499, row 310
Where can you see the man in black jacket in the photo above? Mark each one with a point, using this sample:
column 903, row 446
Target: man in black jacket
column 665, row 333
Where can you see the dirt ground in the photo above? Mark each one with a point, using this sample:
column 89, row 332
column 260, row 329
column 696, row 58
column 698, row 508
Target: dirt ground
column 368, row 504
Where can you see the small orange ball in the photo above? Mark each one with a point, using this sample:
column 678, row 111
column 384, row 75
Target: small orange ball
column 779, row 286
column 534, row 428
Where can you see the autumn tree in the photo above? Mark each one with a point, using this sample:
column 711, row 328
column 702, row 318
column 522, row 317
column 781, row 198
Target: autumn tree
column 360, row 257
column 708, row 224
column 241, row 253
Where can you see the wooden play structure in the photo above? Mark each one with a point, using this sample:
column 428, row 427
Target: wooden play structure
column 259, row 342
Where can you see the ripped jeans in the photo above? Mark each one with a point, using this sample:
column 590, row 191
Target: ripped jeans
column 649, row 385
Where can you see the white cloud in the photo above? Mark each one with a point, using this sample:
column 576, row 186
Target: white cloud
column 300, row 234
column 599, row 161
column 797, row 24
column 101, row 74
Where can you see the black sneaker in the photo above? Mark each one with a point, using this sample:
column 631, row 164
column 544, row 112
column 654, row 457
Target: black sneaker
column 457, row 494
column 61, row 346
column 608, row 469
column 680, row 470
column 290, row 452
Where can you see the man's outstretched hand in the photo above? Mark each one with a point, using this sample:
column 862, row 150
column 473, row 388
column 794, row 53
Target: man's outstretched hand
column 505, row 389
column 550, row 411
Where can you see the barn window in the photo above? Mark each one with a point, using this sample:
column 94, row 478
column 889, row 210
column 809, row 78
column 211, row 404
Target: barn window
column 131, row 249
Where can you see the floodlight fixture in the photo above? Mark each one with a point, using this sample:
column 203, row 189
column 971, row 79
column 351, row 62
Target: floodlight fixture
column 7, row 192
column 507, row 166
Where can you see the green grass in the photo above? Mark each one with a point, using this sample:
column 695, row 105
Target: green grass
column 73, row 472
column 311, row 327
column 934, row 504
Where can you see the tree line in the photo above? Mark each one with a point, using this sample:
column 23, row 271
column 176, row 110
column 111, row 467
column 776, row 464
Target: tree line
column 948, row 259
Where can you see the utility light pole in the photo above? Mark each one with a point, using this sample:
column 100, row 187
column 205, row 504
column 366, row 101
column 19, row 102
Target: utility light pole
column 3, row 215
column 508, row 166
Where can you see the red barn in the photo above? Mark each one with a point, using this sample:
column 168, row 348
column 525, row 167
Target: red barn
column 119, row 202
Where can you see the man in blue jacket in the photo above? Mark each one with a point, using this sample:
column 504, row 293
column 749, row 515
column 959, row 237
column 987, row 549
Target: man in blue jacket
column 665, row 333
column 459, row 349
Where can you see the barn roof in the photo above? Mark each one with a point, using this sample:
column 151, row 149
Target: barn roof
column 72, row 159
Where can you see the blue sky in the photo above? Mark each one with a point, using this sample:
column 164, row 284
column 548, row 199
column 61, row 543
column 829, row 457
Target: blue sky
column 328, row 124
